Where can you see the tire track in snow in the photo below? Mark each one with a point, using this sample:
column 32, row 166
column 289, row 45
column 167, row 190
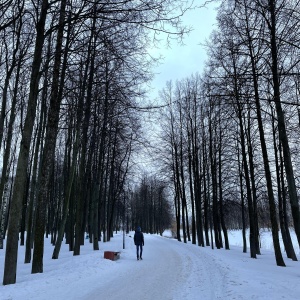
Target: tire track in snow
column 204, row 277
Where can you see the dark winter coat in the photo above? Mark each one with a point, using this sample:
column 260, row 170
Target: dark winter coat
column 138, row 238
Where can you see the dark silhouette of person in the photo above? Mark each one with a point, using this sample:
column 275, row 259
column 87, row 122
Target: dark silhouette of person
column 139, row 242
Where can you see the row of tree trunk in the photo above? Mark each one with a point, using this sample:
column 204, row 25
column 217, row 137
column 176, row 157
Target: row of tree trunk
column 231, row 140
column 71, row 72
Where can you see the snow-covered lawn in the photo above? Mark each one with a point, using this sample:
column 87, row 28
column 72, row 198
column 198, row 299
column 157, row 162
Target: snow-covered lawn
column 169, row 270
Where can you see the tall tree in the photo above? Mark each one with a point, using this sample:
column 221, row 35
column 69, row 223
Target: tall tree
column 10, row 267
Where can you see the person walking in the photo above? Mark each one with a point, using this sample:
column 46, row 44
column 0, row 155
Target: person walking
column 139, row 242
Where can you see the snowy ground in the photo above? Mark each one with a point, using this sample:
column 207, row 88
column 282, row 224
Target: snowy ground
column 169, row 270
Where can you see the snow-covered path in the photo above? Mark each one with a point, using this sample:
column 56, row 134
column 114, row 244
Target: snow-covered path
column 166, row 272
column 170, row 270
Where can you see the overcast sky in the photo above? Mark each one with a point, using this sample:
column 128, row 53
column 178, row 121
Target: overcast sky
column 179, row 62
column 182, row 61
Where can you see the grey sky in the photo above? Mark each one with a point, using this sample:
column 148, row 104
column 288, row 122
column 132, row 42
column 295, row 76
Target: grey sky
column 181, row 61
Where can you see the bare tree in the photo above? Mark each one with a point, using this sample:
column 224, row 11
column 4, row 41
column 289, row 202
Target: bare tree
column 20, row 178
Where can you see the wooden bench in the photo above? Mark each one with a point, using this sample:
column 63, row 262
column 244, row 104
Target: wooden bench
column 112, row 255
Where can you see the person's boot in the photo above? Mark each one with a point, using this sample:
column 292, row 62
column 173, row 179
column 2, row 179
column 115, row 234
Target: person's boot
column 140, row 258
column 137, row 258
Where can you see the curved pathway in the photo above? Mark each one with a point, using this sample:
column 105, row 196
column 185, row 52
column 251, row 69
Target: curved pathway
column 164, row 273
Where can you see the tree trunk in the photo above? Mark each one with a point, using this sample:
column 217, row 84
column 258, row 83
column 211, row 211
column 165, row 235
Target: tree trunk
column 206, row 196
column 192, row 194
column 49, row 149
column 272, row 206
column 248, row 186
column 221, row 196
column 253, row 185
column 281, row 123
column 289, row 248
column 197, row 182
column 80, row 199
column 10, row 268
column 66, row 204
column 33, row 182
column 242, row 201
column 213, row 169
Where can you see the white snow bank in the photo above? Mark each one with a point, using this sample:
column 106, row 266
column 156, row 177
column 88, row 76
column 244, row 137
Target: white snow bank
column 169, row 270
